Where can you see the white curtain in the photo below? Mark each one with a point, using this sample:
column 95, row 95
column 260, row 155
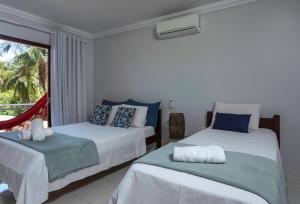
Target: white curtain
column 68, row 79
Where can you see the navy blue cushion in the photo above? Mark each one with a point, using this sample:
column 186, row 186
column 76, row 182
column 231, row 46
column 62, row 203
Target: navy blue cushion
column 112, row 103
column 152, row 113
column 232, row 122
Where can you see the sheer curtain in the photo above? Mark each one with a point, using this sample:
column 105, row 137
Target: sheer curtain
column 68, row 79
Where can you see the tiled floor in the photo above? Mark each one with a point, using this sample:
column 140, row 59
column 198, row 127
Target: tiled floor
column 99, row 191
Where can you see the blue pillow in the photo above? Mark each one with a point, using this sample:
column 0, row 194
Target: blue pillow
column 152, row 113
column 112, row 103
column 232, row 122
column 101, row 115
column 124, row 117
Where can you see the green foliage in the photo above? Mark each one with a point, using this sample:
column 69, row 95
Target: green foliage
column 24, row 78
column 7, row 98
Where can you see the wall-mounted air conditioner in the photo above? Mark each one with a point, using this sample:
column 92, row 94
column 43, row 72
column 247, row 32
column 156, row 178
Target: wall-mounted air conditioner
column 178, row 27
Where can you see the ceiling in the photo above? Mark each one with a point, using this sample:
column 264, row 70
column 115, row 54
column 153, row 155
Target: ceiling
column 95, row 16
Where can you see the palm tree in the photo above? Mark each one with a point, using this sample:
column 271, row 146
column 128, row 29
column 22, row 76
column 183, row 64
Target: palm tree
column 5, row 74
column 3, row 68
column 27, row 72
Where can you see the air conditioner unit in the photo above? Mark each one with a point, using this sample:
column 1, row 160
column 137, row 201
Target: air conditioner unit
column 178, row 27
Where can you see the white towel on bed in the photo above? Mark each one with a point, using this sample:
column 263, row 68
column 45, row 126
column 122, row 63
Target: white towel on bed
column 48, row 132
column 202, row 154
column 26, row 134
column 37, row 130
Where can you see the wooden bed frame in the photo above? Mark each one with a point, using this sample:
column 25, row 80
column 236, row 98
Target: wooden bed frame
column 77, row 184
column 157, row 137
column 268, row 123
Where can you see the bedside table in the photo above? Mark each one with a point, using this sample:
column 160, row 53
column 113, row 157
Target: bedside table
column 176, row 126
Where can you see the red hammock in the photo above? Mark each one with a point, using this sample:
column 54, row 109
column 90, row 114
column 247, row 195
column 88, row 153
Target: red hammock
column 23, row 121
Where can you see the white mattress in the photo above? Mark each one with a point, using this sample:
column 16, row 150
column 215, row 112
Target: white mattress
column 25, row 171
column 146, row 184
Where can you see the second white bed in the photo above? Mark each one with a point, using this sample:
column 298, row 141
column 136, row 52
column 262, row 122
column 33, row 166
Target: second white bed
column 146, row 184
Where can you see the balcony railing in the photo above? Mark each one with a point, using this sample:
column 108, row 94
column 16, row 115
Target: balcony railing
column 4, row 108
column 19, row 116
column 21, row 106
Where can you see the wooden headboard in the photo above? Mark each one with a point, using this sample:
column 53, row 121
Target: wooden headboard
column 268, row 123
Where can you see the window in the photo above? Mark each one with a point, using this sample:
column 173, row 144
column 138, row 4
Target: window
column 24, row 76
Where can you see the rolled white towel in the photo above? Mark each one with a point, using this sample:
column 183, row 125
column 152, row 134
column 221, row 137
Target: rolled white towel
column 25, row 135
column 37, row 131
column 48, row 132
column 206, row 154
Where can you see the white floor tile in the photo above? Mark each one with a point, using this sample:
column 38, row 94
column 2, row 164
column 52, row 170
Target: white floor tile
column 69, row 199
column 6, row 197
column 293, row 192
column 294, row 198
column 117, row 176
column 97, row 192
column 293, row 187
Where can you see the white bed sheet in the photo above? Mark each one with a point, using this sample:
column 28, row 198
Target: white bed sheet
column 148, row 131
column 146, row 184
column 25, row 171
column 115, row 146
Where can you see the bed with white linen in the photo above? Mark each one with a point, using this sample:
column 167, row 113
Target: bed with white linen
column 147, row 184
column 25, row 171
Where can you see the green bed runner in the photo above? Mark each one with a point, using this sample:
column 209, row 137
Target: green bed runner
column 254, row 174
column 63, row 154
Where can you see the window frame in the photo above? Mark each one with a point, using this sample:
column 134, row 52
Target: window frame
column 41, row 45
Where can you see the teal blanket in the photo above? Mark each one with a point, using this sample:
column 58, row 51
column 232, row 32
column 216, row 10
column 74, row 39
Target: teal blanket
column 63, row 154
column 255, row 174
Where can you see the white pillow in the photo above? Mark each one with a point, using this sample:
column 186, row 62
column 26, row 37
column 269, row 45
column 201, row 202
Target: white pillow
column 253, row 109
column 112, row 114
column 140, row 116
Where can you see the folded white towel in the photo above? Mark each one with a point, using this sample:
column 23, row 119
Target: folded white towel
column 207, row 154
column 26, row 134
column 37, row 131
column 48, row 132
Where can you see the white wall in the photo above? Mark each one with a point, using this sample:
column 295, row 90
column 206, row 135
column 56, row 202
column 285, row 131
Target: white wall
column 249, row 53
column 35, row 35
